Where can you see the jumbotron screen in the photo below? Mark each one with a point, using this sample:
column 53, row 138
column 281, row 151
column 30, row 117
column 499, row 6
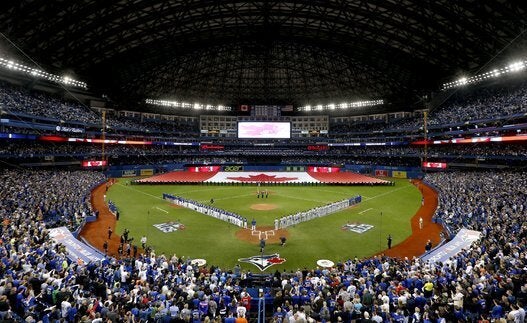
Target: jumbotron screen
column 264, row 130
column 94, row 163
column 434, row 165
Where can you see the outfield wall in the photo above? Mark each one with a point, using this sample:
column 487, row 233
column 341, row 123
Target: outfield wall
column 386, row 171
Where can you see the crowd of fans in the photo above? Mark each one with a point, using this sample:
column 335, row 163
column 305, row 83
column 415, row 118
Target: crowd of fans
column 17, row 99
column 156, row 155
column 485, row 282
column 481, row 104
column 477, row 201
column 480, row 150
column 36, row 148
column 55, row 197
column 465, row 106
column 20, row 102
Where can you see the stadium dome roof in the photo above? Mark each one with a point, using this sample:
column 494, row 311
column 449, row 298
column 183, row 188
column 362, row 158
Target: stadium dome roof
column 275, row 52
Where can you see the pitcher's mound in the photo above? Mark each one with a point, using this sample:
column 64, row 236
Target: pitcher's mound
column 263, row 207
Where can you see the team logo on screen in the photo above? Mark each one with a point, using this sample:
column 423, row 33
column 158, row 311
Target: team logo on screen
column 169, row 226
column 357, row 227
column 265, row 261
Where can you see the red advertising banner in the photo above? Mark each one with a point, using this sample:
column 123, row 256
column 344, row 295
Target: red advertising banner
column 434, row 165
column 94, row 163
column 204, row 169
column 323, row 169
column 211, row 147
column 473, row 140
column 317, row 147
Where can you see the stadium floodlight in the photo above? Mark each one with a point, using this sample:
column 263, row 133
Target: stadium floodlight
column 34, row 72
column 41, row 74
column 195, row 106
column 516, row 66
column 511, row 68
column 344, row 105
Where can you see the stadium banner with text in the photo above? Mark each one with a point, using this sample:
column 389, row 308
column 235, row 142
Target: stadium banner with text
column 7, row 135
column 204, row 169
column 207, row 147
column 94, row 163
column 381, row 172
column 232, row 168
column 295, row 168
column 76, row 249
column 463, row 239
column 146, row 172
column 263, row 168
column 471, row 140
column 129, row 173
column 317, row 147
column 323, row 169
column 399, row 174
column 434, row 165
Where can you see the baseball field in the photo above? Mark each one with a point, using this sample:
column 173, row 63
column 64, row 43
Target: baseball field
column 359, row 231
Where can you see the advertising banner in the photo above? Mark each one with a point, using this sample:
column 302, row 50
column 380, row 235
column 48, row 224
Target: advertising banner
column 147, row 172
column 129, row 173
column 76, row 249
column 399, row 174
column 463, row 239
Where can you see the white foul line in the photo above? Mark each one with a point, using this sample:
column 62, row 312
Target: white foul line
column 366, row 210
column 160, row 209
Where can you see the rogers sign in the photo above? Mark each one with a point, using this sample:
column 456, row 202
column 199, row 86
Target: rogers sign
column 317, row 147
column 212, row 147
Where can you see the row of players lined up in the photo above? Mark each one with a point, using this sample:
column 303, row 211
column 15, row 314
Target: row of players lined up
column 209, row 210
column 314, row 213
column 280, row 223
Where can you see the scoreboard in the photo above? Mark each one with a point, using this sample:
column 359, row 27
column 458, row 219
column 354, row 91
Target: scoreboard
column 266, row 111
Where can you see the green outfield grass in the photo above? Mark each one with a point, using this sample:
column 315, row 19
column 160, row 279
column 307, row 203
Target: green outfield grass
column 142, row 206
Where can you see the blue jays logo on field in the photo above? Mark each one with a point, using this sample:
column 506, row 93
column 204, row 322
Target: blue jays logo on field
column 357, row 227
column 265, row 261
column 170, row 226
